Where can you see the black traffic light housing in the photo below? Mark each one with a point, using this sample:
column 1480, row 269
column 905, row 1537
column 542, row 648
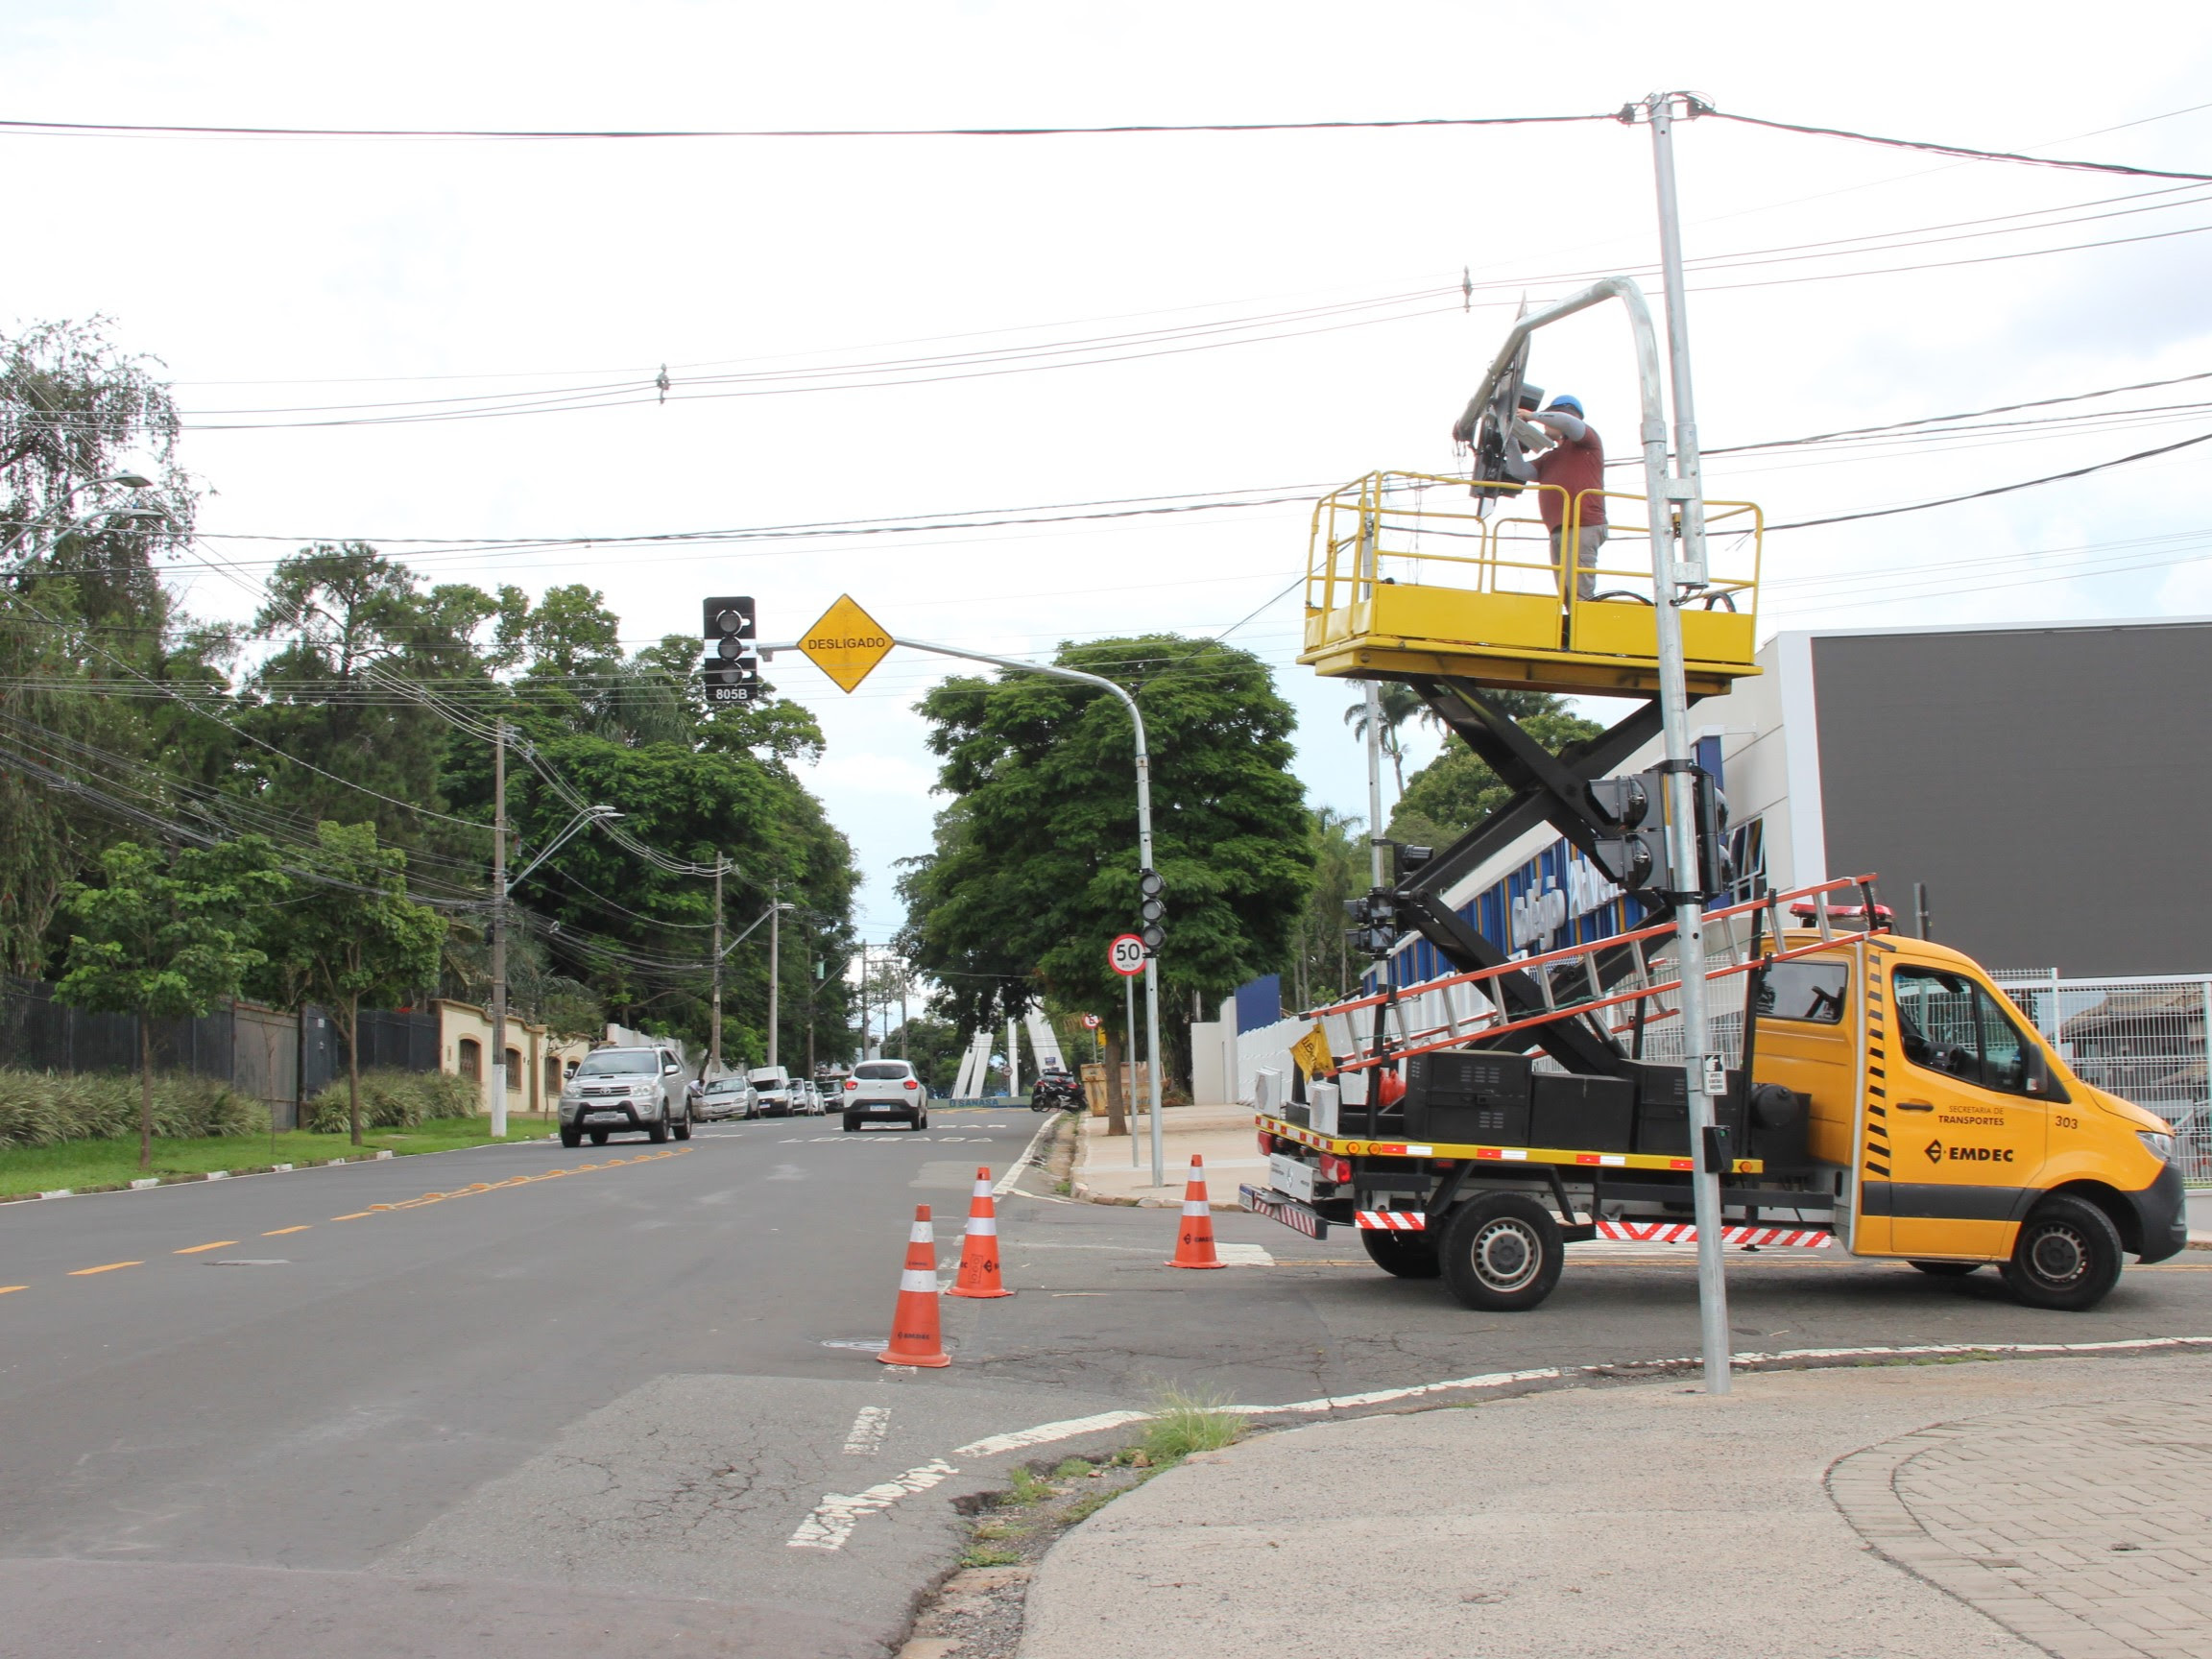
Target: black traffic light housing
column 733, row 665
column 1635, row 852
column 1152, row 905
column 1374, row 928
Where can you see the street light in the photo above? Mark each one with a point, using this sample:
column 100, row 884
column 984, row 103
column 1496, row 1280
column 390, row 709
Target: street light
column 502, row 887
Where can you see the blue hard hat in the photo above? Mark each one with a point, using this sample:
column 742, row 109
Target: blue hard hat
column 1567, row 400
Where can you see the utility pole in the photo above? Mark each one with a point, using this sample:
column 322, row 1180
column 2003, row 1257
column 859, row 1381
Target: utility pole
column 499, row 931
column 1674, row 585
column 905, row 1046
column 714, row 1037
column 774, row 962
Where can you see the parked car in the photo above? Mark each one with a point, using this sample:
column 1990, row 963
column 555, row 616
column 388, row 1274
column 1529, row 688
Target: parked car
column 720, row 1098
column 774, row 1091
column 622, row 1092
column 882, row 1090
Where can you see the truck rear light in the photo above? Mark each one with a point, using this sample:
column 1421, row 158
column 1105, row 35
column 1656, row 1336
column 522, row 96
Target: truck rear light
column 911, row 1084
column 1266, row 1144
column 1338, row 1169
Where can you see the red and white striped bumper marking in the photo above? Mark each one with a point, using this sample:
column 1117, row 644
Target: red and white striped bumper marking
column 1392, row 1221
column 1686, row 1232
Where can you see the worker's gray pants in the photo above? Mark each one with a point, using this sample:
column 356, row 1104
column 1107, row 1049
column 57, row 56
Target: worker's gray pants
column 1586, row 541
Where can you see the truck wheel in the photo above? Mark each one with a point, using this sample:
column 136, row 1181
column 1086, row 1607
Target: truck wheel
column 2067, row 1256
column 683, row 1125
column 1947, row 1269
column 1502, row 1253
column 1401, row 1255
column 851, row 1124
column 657, row 1131
column 571, row 1138
column 599, row 1137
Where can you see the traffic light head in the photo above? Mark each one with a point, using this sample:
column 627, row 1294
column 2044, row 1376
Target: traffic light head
column 732, row 666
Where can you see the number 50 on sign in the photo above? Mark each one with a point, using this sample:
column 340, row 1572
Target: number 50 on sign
column 1126, row 955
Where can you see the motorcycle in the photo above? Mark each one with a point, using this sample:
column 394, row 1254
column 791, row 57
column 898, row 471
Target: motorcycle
column 1056, row 1091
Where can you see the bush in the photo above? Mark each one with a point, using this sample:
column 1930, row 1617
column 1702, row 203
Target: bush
column 393, row 1100
column 46, row 1108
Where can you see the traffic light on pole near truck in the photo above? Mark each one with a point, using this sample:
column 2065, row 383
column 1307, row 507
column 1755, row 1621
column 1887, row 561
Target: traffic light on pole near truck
column 1152, row 905
column 1636, row 855
column 732, row 666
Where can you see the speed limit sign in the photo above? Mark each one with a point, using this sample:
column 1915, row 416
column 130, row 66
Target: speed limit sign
column 1126, row 955
column 1090, row 1022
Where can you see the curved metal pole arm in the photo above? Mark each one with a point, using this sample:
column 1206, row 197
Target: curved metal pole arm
column 551, row 847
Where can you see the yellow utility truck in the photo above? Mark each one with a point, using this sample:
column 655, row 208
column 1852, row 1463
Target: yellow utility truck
column 1892, row 1103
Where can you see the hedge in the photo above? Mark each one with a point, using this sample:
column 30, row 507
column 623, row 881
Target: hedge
column 46, row 1108
column 393, row 1100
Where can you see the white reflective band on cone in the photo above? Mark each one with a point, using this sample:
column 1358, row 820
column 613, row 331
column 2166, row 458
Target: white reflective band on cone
column 917, row 1278
column 982, row 1187
column 983, row 1226
column 1195, row 1207
column 921, row 1233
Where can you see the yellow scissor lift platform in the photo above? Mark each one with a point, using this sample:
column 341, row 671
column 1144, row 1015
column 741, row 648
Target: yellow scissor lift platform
column 1407, row 577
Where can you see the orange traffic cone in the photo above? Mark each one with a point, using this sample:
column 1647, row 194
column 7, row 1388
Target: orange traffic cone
column 1194, row 1244
column 980, row 1246
column 915, row 1339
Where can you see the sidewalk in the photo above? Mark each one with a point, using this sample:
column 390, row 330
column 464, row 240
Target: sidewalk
column 1983, row 1510
column 1221, row 1135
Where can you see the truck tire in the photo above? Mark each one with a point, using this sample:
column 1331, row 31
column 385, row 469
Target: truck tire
column 851, row 1124
column 2067, row 1256
column 1947, row 1269
column 571, row 1138
column 1502, row 1253
column 683, row 1125
column 657, row 1131
column 1401, row 1255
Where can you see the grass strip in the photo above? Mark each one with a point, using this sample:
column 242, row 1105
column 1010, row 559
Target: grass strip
column 108, row 1164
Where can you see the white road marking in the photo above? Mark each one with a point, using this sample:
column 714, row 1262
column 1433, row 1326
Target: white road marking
column 1014, row 1172
column 833, row 1518
column 869, row 1426
column 1243, row 1255
column 1067, row 1429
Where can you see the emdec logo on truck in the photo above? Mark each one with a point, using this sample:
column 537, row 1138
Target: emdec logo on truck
column 1937, row 1152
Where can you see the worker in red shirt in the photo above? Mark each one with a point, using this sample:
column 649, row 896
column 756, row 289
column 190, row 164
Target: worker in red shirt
column 1571, row 470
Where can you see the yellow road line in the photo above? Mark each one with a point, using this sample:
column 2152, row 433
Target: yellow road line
column 279, row 1232
column 355, row 1216
column 109, row 1267
column 5, row 1288
column 195, row 1249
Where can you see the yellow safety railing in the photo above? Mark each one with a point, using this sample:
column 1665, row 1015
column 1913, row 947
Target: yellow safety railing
column 1405, row 562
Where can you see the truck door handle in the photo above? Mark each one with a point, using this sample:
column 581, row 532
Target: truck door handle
column 1915, row 1106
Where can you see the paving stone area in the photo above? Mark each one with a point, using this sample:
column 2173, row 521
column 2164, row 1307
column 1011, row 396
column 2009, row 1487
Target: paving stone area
column 2085, row 1528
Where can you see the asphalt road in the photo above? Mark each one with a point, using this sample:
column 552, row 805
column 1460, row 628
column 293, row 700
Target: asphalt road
column 524, row 1411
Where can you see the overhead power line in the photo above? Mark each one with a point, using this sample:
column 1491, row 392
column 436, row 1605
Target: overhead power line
column 1998, row 490
column 600, row 135
column 1968, row 153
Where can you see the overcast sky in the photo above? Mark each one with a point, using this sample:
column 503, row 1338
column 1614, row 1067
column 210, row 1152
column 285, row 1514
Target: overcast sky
column 294, row 275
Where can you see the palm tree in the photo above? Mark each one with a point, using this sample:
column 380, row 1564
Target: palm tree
column 1399, row 703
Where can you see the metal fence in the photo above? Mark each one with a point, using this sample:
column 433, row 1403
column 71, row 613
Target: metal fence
column 2142, row 1038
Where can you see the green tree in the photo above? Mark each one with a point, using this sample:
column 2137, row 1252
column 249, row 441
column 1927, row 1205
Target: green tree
column 1321, row 960
column 348, row 935
column 1400, row 704
column 1456, row 790
column 80, row 605
column 1035, row 864
column 166, row 938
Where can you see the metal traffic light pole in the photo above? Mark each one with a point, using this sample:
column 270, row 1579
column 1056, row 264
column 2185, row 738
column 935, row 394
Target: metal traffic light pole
column 1673, row 585
column 1143, row 841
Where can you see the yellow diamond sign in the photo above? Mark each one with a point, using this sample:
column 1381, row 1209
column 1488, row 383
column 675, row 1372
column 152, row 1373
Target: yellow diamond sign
column 846, row 643
column 1312, row 1052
